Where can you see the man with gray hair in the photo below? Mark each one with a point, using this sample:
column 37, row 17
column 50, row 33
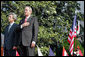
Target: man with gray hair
column 10, row 36
column 29, row 32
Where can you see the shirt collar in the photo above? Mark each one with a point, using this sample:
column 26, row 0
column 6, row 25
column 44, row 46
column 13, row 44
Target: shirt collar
column 28, row 16
column 12, row 23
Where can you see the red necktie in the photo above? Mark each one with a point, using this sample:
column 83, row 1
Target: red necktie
column 26, row 19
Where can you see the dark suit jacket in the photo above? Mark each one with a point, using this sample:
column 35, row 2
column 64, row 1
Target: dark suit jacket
column 29, row 33
column 10, row 37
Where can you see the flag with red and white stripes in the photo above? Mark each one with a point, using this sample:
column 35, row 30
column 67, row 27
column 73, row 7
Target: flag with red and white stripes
column 72, row 34
column 64, row 53
column 78, row 29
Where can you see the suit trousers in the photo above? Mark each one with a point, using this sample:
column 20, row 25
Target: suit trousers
column 30, row 51
column 9, row 52
column 26, row 51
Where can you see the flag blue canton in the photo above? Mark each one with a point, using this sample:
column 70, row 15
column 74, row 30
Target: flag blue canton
column 74, row 23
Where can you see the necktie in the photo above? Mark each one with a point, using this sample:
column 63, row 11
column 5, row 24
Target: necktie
column 9, row 27
column 26, row 19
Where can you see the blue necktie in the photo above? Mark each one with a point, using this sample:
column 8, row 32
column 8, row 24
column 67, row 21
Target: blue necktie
column 9, row 27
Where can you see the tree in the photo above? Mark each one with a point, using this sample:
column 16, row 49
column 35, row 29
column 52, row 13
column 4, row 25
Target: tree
column 54, row 17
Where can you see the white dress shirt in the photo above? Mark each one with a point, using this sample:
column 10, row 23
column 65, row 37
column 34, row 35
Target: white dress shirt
column 10, row 25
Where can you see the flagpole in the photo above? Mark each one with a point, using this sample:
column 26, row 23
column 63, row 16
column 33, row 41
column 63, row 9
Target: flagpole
column 75, row 39
column 76, row 31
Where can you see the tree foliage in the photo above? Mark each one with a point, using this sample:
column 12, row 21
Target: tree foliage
column 54, row 17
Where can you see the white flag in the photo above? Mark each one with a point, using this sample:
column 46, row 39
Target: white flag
column 39, row 52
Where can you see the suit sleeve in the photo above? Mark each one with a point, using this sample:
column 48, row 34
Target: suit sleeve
column 17, row 33
column 35, row 29
column 16, row 36
column 19, row 26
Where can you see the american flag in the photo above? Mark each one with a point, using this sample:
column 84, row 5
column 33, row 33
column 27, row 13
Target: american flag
column 72, row 34
column 78, row 29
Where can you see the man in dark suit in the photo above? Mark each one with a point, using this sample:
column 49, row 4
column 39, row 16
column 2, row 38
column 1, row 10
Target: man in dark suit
column 10, row 36
column 29, row 31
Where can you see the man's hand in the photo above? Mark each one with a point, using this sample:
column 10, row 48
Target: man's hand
column 32, row 45
column 14, row 47
column 25, row 24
